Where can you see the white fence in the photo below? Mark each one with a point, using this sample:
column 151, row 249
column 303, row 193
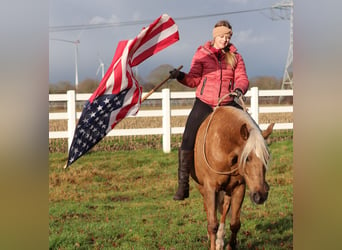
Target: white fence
column 166, row 112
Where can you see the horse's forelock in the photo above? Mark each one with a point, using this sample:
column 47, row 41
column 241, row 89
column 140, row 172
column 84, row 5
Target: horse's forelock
column 256, row 143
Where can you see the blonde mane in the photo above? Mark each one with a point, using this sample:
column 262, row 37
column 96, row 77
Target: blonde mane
column 256, row 143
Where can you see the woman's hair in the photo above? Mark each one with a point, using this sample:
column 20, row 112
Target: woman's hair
column 223, row 23
column 230, row 56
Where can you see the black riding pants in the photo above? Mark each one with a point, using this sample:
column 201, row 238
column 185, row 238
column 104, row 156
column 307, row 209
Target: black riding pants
column 199, row 112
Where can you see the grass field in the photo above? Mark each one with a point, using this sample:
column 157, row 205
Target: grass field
column 119, row 196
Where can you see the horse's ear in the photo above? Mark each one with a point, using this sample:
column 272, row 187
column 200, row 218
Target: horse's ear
column 266, row 133
column 244, row 131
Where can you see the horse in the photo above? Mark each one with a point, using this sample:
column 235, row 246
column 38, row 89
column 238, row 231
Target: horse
column 230, row 152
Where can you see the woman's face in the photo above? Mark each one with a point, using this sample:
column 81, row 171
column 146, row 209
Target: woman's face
column 222, row 41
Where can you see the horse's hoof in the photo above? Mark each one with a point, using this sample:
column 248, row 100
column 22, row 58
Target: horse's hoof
column 219, row 244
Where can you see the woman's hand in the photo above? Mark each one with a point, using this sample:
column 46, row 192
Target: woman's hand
column 174, row 73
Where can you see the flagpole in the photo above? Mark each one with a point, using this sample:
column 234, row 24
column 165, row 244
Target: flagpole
column 158, row 86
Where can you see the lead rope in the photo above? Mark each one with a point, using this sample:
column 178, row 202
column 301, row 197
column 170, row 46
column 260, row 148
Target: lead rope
column 206, row 132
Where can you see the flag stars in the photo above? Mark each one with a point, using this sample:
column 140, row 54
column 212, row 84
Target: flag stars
column 99, row 108
column 106, row 101
column 71, row 159
column 94, row 123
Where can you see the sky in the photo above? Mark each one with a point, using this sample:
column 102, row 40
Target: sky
column 262, row 37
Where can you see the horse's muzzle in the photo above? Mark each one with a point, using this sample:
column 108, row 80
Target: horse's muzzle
column 260, row 197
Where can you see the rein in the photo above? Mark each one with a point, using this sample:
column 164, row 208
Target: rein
column 206, row 132
column 242, row 103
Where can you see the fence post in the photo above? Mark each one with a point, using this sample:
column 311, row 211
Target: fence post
column 166, row 120
column 255, row 104
column 71, row 110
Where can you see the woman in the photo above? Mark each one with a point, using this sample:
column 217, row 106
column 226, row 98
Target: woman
column 216, row 70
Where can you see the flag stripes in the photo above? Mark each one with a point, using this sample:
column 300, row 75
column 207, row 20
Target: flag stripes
column 119, row 93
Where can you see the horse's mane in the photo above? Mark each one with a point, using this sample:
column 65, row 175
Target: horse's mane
column 254, row 142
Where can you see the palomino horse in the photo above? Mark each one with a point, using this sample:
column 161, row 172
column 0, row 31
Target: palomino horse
column 230, row 152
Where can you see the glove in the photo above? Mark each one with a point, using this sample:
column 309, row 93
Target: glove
column 174, row 73
column 239, row 93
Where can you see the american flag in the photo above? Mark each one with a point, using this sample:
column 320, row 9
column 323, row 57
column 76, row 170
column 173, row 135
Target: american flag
column 119, row 93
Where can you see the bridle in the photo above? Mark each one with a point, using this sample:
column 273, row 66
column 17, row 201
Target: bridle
column 206, row 132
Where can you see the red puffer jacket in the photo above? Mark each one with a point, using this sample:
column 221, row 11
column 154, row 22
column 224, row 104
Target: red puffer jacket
column 214, row 78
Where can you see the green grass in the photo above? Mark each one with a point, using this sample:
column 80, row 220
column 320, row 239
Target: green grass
column 123, row 200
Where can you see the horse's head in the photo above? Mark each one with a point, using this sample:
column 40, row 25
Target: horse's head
column 253, row 161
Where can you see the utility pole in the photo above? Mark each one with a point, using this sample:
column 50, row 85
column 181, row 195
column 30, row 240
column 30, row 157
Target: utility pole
column 287, row 82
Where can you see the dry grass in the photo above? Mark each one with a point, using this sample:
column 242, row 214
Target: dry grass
column 177, row 121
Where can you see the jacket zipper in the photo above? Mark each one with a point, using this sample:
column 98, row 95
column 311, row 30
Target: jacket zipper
column 219, row 94
column 202, row 89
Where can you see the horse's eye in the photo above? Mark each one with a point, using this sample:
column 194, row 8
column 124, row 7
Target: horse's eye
column 234, row 160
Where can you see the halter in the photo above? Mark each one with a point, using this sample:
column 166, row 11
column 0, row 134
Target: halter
column 206, row 132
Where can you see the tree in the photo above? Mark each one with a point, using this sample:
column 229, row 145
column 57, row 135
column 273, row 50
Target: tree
column 158, row 75
column 265, row 82
column 60, row 87
column 88, row 86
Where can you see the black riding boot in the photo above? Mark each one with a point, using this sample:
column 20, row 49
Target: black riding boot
column 186, row 162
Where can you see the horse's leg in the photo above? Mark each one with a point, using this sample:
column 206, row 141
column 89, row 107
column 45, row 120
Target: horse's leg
column 238, row 195
column 224, row 203
column 210, row 203
column 201, row 190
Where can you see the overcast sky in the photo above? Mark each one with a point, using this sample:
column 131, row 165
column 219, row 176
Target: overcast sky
column 262, row 37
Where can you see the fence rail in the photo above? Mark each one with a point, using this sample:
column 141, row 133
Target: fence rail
column 166, row 113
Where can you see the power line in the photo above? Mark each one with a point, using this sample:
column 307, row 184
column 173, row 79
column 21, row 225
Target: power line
column 63, row 40
column 128, row 23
